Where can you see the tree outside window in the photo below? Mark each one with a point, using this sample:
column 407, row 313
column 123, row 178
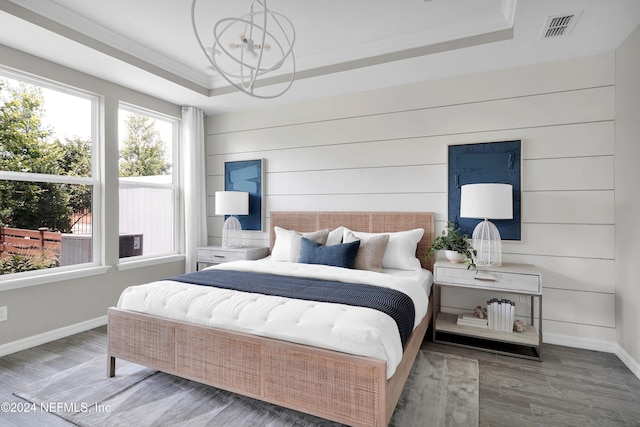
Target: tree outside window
column 143, row 151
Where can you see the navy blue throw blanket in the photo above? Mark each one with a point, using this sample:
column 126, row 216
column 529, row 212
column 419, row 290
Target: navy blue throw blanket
column 396, row 304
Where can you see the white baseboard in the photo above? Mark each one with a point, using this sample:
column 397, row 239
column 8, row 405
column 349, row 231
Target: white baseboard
column 596, row 345
column 578, row 342
column 632, row 364
column 49, row 336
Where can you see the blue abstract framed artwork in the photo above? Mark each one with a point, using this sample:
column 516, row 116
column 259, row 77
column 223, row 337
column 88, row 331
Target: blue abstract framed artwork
column 492, row 162
column 247, row 175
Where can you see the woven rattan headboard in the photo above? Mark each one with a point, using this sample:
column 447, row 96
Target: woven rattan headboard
column 372, row 222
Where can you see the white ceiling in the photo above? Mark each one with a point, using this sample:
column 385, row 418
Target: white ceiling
column 341, row 45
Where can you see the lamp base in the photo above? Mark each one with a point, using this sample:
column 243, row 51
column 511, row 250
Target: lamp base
column 232, row 233
column 487, row 243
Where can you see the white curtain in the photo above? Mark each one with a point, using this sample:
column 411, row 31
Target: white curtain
column 195, row 197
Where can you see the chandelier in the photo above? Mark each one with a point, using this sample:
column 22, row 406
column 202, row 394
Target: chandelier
column 246, row 48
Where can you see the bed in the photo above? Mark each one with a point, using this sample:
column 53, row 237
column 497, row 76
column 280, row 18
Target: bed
column 336, row 385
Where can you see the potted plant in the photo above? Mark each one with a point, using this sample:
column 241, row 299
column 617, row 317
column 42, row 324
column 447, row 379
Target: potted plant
column 456, row 245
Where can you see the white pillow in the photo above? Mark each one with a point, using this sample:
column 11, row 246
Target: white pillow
column 287, row 245
column 401, row 249
column 335, row 236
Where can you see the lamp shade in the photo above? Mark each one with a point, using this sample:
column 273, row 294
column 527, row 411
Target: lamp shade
column 232, row 203
column 489, row 201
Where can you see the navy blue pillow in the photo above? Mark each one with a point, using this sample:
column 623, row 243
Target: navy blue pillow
column 343, row 255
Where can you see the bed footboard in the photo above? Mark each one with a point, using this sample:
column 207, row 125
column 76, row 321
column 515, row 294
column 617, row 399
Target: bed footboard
column 337, row 386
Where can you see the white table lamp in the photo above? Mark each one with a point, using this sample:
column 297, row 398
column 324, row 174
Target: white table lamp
column 232, row 203
column 487, row 201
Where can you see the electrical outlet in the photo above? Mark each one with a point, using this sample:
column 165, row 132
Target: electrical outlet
column 523, row 298
column 3, row 313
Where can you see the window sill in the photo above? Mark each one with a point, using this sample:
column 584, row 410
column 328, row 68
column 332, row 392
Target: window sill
column 8, row 283
column 50, row 277
column 147, row 262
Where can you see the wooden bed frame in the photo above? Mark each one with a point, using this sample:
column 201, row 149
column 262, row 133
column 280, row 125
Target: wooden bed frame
column 337, row 386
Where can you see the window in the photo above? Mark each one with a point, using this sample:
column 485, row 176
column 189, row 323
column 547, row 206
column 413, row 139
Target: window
column 48, row 175
column 148, row 187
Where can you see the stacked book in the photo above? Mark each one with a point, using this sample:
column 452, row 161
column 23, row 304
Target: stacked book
column 470, row 319
column 501, row 314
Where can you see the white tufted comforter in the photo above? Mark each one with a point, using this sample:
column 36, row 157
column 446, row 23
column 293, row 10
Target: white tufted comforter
column 345, row 328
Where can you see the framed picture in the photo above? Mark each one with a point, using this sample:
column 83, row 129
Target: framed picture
column 491, row 162
column 247, row 175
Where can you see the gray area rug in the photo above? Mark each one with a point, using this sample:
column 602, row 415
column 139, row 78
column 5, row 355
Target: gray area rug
column 442, row 390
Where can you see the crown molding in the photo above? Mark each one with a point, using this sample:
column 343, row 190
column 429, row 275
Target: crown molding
column 69, row 24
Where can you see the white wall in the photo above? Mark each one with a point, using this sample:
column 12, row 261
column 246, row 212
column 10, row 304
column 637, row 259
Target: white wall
column 627, row 196
column 386, row 150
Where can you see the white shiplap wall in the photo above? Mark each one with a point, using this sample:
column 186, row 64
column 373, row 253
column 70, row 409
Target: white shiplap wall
column 387, row 150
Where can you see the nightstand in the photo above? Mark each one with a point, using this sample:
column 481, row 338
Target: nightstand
column 211, row 255
column 523, row 280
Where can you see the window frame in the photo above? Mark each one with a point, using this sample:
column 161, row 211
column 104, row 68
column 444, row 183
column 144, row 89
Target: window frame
column 175, row 253
column 96, row 266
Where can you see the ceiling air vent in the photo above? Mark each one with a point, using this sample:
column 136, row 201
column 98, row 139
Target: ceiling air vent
column 560, row 25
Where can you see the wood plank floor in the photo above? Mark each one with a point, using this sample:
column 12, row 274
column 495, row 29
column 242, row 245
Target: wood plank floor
column 571, row 387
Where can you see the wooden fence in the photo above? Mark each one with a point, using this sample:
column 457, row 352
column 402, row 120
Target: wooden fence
column 30, row 243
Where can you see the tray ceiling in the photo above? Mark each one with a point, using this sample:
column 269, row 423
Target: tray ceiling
column 341, row 46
